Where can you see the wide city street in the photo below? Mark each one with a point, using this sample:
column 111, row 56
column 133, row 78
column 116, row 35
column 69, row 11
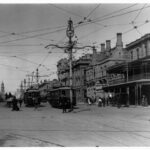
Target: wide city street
column 86, row 126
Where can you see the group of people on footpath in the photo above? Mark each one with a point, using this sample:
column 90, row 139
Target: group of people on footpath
column 101, row 102
column 15, row 102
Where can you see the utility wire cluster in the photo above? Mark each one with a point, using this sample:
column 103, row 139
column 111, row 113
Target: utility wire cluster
column 86, row 20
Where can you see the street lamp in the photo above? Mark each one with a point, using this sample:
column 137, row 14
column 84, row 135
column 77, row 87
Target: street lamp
column 71, row 45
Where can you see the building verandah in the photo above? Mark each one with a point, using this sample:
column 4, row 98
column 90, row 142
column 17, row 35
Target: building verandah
column 130, row 80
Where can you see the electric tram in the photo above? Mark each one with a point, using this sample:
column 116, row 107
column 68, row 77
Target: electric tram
column 55, row 95
column 30, row 96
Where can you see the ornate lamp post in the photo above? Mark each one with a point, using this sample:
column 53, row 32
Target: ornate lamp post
column 69, row 49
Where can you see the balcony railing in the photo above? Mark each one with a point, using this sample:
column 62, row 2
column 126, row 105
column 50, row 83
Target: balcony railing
column 139, row 76
column 130, row 78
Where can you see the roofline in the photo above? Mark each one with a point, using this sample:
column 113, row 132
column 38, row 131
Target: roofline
column 146, row 36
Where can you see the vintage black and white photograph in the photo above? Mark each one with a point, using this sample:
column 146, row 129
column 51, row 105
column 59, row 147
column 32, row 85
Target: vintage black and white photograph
column 75, row 75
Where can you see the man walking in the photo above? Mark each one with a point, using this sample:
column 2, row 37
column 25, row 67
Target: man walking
column 64, row 103
column 35, row 103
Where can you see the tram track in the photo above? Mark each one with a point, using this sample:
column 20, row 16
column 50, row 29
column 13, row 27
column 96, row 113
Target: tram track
column 41, row 140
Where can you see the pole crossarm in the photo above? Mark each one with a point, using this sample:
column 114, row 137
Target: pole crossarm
column 70, row 46
column 56, row 46
column 88, row 46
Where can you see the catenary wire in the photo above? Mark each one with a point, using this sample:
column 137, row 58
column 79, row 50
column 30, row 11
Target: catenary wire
column 92, row 11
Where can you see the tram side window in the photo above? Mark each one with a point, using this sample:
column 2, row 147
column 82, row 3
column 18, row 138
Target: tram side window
column 63, row 93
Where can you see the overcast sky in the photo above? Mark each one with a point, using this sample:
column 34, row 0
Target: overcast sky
column 26, row 29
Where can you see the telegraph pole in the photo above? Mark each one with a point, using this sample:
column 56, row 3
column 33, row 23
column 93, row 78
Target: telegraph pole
column 37, row 77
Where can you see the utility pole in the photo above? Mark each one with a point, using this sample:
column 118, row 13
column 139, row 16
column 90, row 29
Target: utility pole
column 70, row 34
column 69, row 49
column 25, row 84
column 28, row 83
column 32, row 78
column 37, row 77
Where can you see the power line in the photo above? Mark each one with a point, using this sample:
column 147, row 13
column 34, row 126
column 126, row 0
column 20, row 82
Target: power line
column 92, row 11
column 94, row 20
column 30, row 31
column 43, row 62
column 136, row 18
column 116, row 11
column 38, row 30
column 14, row 67
column 66, row 11
column 133, row 28
column 25, row 59
column 110, row 17
column 28, row 37
column 90, row 33
column 139, row 12
column 22, row 45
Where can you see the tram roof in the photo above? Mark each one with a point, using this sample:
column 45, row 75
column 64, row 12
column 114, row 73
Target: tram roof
column 33, row 90
column 60, row 88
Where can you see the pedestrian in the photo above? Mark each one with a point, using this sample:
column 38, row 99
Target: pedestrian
column 103, row 102
column 144, row 100
column 15, row 106
column 64, row 103
column 99, row 102
column 35, row 101
column 20, row 102
column 89, row 101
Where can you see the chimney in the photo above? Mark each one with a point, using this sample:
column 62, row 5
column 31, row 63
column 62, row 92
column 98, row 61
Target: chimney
column 102, row 47
column 108, row 45
column 119, row 40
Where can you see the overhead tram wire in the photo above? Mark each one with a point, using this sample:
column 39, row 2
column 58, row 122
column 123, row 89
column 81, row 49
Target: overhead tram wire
column 33, row 36
column 25, row 59
column 107, row 18
column 133, row 21
column 14, row 67
column 90, row 33
column 45, row 28
column 114, row 12
column 67, row 11
column 90, row 21
column 133, row 28
column 28, row 61
column 41, row 64
column 79, row 23
column 105, row 26
column 139, row 13
column 113, row 16
column 92, row 11
column 30, row 31
column 123, row 14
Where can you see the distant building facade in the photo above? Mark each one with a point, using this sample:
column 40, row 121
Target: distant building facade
column 96, row 73
column 63, row 72
column 79, row 77
column 2, row 92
